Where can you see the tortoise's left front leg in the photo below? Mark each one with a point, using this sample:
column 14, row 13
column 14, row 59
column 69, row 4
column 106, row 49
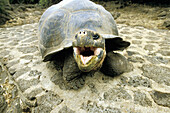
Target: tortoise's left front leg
column 73, row 77
column 115, row 64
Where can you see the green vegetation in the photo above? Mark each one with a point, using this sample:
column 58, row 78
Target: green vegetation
column 47, row 3
column 4, row 15
column 23, row 1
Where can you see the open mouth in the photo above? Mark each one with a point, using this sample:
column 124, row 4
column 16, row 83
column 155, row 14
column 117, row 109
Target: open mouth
column 87, row 53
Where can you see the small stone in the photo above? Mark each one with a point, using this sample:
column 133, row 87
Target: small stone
column 15, row 106
column 23, row 15
column 92, row 88
column 141, row 99
column 65, row 109
column 161, row 98
column 117, row 94
column 136, row 59
column 92, row 107
column 33, row 93
column 136, row 42
column 166, row 24
column 1, row 90
column 149, row 47
column 47, row 102
column 28, row 49
column 159, row 74
column 116, row 14
column 13, row 43
column 19, row 72
column 10, row 64
column 150, row 37
column 164, row 52
column 131, row 53
column 37, row 13
column 139, row 81
column 124, row 80
column 4, row 53
column 162, row 14
column 25, row 84
column 23, row 8
column 162, row 60
column 30, row 40
column 27, row 57
column 35, row 73
column 157, row 60
column 3, row 76
column 3, row 104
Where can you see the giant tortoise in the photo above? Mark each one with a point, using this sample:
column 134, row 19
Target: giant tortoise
column 82, row 35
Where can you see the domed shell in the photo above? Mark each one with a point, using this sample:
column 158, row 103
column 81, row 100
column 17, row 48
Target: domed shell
column 59, row 24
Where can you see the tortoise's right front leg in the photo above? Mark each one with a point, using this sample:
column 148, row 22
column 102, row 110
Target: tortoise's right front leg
column 71, row 74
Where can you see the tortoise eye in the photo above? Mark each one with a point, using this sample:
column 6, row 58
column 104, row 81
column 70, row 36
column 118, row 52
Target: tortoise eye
column 96, row 36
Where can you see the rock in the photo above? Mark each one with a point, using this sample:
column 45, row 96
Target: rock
column 164, row 52
column 27, row 57
column 47, row 102
column 23, row 15
column 35, row 73
column 149, row 47
column 159, row 74
column 23, row 8
column 135, row 81
column 116, row 14
column 4, row 53
column 162, row 14
column 34, row 92
column 37, row 13
column 117, row 94
column 166, row 24
column 28, row 49
column 3, row 103
column 15, row 106
column 19, row 72
column 11, row 63
column 156, row 59
column 136, row 59
column 139, row 81
column 131, row 53
column 136, row 42
column 168, row 15
column 65, row 109
column 14, row 92
column 141, row 99
column 25, row 84
column 3, row 76
column 161, row 98
column 92, row 88
column 92, row 107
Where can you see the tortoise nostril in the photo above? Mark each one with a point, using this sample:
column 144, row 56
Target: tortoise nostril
column 76, row 37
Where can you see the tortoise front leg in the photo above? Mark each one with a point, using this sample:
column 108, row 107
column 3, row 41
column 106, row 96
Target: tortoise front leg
column 115, row 64
column 71, row 74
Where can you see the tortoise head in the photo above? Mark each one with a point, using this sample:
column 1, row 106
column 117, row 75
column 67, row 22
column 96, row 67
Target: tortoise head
column 89, row 50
